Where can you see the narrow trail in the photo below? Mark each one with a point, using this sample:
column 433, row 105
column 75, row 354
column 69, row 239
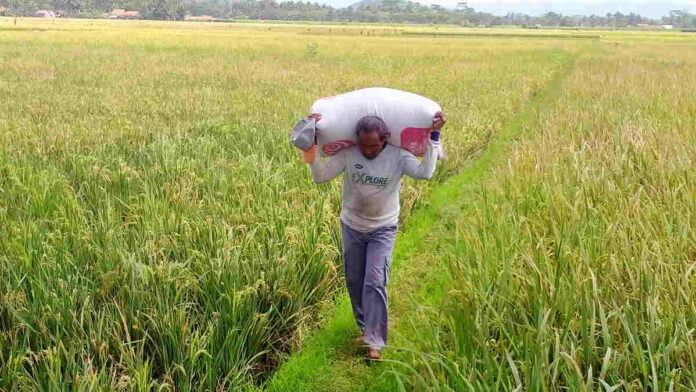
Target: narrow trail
column 328, row 361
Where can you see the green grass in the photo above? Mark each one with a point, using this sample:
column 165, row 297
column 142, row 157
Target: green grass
column 157, row 231
column 501, row 34
column 328, row 363
column 570, row 266
column 562, row 262
column 573, row 263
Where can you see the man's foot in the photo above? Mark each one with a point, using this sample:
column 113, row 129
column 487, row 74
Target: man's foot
column 373, row 355
column 359, row 341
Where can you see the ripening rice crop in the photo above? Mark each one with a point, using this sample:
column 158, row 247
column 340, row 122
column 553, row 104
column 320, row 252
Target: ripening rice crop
column 157, row 231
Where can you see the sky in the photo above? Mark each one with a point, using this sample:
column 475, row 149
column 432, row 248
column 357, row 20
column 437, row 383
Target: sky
column 649, row 8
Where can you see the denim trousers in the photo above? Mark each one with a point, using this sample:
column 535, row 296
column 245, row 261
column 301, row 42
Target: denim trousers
column 366, row 262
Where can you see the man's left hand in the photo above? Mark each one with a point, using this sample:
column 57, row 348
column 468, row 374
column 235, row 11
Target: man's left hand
column 439, row 120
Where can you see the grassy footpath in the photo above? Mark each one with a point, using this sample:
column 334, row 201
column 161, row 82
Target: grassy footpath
column 327, row 362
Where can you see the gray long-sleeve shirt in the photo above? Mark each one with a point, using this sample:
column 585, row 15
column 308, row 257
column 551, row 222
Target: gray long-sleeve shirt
column 371, row 186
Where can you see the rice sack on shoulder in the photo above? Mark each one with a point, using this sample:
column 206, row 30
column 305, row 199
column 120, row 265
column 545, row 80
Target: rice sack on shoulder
column 408, row 116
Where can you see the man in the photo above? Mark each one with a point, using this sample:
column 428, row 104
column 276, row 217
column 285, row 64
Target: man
column 369, row 216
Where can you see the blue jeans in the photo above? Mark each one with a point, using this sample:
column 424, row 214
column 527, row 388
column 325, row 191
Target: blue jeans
column 366, row 261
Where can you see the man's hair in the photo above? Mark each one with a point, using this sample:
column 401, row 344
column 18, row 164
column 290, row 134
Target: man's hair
column 371, row 124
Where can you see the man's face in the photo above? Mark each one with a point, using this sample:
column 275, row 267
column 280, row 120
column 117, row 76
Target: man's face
column 370, row 144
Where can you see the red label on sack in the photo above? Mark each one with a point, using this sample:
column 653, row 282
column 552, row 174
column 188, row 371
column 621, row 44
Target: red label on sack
column 332, row 148
column 415, row 140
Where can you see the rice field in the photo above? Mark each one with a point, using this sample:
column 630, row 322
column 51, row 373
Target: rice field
column 158, row 232
column 571, row 265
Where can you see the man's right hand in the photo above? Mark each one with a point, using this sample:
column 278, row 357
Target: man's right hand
column 309, row 155
column 315, row 116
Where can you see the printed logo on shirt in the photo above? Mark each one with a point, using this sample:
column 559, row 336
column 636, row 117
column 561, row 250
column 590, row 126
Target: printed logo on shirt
column 362, row 178
column 358, row 166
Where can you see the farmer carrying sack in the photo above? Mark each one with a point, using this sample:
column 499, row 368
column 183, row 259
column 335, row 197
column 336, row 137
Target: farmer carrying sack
column 408, row 116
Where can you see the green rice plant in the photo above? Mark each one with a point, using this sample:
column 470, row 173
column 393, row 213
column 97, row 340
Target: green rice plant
column 157, row 230
column 572, row 265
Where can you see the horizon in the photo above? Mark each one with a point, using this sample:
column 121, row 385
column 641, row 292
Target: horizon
column 651, row 9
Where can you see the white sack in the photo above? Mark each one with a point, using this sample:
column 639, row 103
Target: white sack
column 409, row 118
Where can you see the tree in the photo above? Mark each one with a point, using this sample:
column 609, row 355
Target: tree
column 403, row 11
column 165, row 10
column 679, row 18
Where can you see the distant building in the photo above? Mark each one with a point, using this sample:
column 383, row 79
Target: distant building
column 4, row 11
column 44, row 14
column 667, row 27
column 645, row 26
column 116, row 13
column 132, row 15
column 199, row 18
column 120, row 13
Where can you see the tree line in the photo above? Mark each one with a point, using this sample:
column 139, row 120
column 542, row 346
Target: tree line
column 385, row 11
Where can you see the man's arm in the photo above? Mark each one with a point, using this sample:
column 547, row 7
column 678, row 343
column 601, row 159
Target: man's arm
column 323, row 171
column 421, row 170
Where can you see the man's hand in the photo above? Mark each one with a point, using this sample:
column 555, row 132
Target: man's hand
column 439, row 120
column 309, row 155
